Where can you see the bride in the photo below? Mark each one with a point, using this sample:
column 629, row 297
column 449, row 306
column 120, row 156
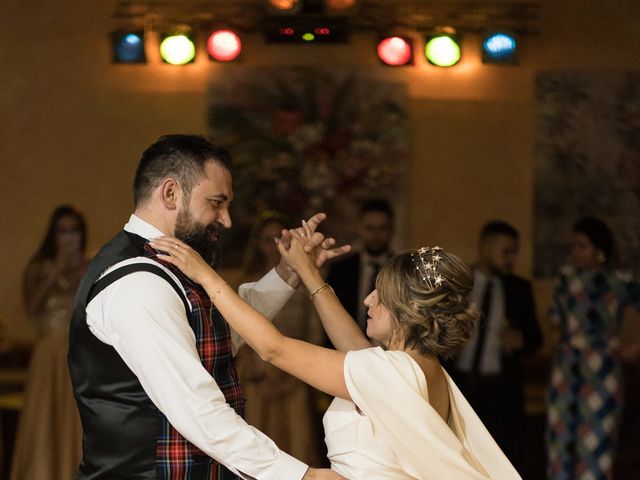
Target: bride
column 396, row 414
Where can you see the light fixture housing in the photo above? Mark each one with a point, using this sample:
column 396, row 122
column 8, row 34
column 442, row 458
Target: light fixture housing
column 499, row 47
column 309, row 30
column 442, row 48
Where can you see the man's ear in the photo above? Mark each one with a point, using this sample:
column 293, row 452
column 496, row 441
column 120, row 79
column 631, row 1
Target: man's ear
column 170, row 193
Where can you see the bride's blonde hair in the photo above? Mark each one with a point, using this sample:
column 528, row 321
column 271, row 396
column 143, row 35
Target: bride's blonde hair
column 435, row 319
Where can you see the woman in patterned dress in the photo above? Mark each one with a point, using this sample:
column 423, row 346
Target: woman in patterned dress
column 586, row 391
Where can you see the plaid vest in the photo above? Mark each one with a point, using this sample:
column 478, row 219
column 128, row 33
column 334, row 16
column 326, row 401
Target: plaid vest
column 177, row 458
column 125, row 435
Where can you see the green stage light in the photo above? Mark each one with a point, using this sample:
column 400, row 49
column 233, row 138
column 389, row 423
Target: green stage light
column 177, row 49
column 443, row 49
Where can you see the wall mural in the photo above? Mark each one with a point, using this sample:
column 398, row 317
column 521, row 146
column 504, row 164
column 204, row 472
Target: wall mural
column 587, row 162
column 305, row 140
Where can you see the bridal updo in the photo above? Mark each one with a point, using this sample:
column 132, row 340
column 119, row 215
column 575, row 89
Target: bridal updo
column 427, row 292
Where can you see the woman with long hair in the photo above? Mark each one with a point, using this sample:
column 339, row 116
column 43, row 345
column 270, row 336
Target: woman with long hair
column 49, row 436
column 279, row 405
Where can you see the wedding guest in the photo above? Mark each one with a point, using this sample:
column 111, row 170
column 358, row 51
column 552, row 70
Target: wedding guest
column 150, row 357
column 397, row 414
column 278, row 404
column 489, row 368
column 353, row 276
column 586, row 390
column 49, row 436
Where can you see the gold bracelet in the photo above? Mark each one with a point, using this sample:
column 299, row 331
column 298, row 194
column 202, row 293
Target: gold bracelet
column 319, row 290
column 217, row 292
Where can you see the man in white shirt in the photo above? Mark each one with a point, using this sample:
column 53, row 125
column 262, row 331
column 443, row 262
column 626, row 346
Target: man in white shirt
column 353, row 277
column 150, row 357
column 488, row 369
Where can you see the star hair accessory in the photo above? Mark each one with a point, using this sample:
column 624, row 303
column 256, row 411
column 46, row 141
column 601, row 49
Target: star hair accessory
column 426, row 260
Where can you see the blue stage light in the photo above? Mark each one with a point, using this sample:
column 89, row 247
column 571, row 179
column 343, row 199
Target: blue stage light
column 128, row 46
column 499, row 47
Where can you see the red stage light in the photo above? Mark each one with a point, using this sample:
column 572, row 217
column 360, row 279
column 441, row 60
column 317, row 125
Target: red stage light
column 224, row 45
column 395, row 51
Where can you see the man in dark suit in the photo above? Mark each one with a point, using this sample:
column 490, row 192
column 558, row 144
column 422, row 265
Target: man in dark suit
column 353, row 277
column 488, row 369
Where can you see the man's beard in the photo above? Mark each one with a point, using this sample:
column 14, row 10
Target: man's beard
column 202, row 238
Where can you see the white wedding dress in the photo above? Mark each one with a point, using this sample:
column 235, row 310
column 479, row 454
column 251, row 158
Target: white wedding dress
column 390, row 431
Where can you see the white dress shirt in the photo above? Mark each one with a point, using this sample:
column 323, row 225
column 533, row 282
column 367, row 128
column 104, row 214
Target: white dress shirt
column 490, row 362
column 142, row 317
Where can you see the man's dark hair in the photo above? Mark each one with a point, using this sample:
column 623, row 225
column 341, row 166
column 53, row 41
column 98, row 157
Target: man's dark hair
column 598, row 234
column 376, row 205
column 182, row 157
column 498, row 227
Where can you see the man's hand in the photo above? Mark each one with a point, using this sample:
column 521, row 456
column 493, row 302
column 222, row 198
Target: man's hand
column 322, row 474
column 323, row 249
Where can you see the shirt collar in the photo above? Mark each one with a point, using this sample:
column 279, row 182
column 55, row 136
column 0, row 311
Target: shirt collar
column 140, row 227
column 480, row 277
column 368, row 259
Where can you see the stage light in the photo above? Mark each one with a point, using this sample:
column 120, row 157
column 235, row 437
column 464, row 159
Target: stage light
column 128, row 46
column 499, row 47
column 177, row 49
column 443, row 49
column 395, row 51
column 286, row 7
column 224, row 45
column 340, row 5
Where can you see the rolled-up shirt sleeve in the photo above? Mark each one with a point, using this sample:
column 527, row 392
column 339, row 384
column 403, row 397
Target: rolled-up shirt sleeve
column 268, row 295
column 143, row 318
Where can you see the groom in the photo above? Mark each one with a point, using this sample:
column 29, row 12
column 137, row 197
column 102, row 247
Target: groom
column 150, row 357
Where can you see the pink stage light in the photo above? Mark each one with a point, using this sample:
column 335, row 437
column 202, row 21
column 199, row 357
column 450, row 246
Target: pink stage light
column 395, row 51
column 224, row 45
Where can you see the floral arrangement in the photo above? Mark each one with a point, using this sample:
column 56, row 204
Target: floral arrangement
column 306, row 140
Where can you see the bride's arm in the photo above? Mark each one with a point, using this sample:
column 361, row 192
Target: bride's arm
column 341, row 328
column 320, row 367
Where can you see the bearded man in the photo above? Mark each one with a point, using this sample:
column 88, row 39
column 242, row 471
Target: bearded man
column 151, row 359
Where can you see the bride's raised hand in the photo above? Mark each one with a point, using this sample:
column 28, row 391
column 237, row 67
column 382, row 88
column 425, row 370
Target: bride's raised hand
column 296, row 251
column 178, row 253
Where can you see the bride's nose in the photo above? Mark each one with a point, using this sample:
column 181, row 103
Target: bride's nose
column 369, row 300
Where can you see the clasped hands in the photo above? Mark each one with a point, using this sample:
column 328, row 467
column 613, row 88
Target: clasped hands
column 308, row 240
